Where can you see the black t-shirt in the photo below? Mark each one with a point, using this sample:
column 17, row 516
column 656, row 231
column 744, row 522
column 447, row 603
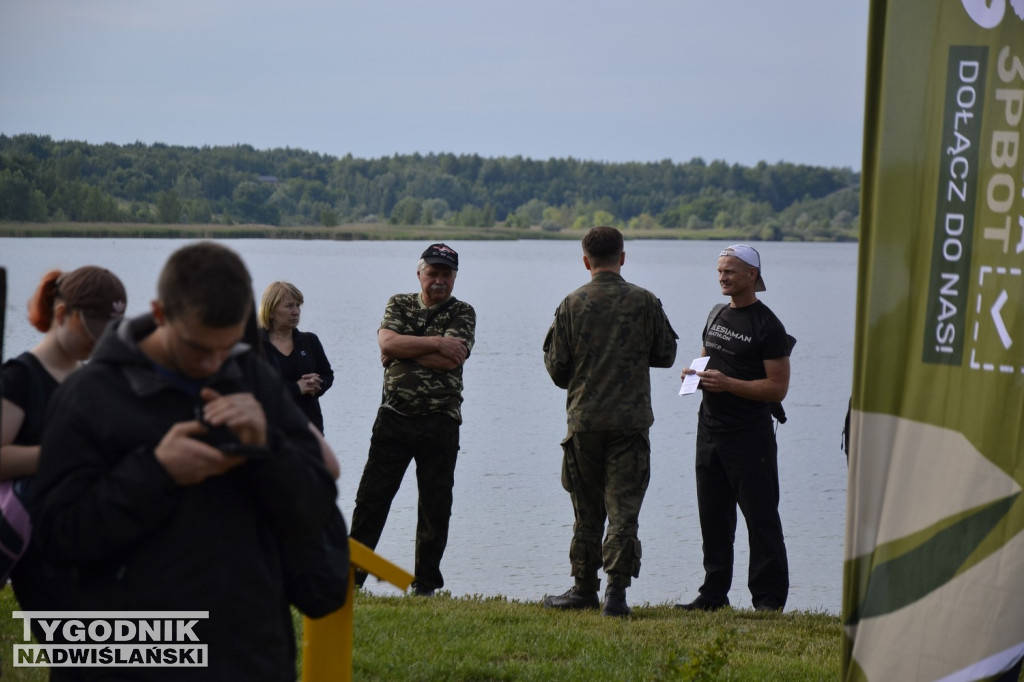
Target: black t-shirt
column 16, row 382
column 738, row 342
column 38, row 585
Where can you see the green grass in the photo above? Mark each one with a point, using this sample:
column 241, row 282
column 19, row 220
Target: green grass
column 474, row 639
column 409, row 638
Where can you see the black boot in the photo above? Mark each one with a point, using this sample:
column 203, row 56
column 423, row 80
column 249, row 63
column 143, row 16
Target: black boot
column 421, row 590
column 615, row 602
column 702, row 603
column 574, row 598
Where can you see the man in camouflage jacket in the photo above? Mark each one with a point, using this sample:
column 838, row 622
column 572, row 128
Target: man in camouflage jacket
column 605, row 338
column 424, row 339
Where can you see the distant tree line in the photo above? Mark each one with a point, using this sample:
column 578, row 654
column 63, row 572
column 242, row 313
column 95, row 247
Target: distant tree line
column 43, row 180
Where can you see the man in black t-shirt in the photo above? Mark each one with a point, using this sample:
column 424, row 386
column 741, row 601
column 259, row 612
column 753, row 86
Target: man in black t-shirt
column 736, row 456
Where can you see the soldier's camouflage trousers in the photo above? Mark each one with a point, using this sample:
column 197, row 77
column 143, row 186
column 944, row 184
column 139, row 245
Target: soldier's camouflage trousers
column 606, row 474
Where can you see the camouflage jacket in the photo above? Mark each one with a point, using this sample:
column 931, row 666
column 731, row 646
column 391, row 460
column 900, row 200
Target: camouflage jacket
column 605, row 338
column 409, row 387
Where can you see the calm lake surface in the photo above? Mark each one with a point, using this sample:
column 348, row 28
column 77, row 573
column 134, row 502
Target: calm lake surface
column 512, row 521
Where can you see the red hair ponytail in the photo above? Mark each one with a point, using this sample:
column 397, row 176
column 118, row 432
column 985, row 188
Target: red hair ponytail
column 40, row 306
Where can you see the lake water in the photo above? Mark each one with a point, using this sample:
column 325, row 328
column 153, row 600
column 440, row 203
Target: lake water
column 512, row 521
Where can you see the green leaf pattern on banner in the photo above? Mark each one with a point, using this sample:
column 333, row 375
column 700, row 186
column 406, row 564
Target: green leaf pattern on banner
column 913, row 573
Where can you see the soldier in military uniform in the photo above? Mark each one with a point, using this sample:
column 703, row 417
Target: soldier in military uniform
column 425, row 338
column 605, row 338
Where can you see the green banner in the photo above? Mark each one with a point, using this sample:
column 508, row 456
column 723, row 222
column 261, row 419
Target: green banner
column 934, row 560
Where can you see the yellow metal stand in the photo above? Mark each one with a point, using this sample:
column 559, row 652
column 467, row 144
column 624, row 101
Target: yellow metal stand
column 327, row 641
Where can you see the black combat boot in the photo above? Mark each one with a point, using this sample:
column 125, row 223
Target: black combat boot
column 702, row 603
column 615, row 602
column 574, row 598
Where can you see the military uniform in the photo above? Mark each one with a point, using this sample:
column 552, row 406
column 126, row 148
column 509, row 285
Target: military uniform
column 605, row 338
column 419, row 420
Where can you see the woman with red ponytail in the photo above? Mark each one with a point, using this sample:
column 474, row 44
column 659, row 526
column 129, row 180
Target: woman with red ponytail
column 72, row 309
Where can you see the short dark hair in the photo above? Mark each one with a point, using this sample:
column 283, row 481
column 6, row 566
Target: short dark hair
column 602, row 245
column 209, row 280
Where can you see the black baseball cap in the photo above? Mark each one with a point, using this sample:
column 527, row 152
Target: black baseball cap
column 441, row 254
column 96, row 293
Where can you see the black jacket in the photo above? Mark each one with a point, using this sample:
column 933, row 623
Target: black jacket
column 141, row 542
column 308, row 357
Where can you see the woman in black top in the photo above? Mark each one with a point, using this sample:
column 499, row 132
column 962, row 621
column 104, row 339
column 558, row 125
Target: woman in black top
column 72, row 309
column 298, row 356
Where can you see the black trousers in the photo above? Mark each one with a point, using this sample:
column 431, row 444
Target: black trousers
column 740, row 468
column 433, row 442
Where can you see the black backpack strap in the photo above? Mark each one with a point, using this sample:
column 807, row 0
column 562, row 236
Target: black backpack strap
column 712, row 316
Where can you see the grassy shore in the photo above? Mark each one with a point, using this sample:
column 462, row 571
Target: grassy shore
column 351, row 232
column 463, row 639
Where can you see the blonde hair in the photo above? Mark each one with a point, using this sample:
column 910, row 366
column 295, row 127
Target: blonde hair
column 272, row 296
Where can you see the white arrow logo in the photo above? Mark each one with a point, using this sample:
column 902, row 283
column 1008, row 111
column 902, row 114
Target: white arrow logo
column 1004, row 335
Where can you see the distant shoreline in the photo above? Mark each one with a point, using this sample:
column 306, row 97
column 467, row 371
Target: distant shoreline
column 350, row 232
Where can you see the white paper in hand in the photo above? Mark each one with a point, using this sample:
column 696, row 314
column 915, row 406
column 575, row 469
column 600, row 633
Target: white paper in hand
column 690, row 381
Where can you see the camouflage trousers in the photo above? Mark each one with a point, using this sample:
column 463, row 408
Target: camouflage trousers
column 606, row 475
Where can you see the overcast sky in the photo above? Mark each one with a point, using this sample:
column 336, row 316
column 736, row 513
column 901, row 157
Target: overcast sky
column 632, row 80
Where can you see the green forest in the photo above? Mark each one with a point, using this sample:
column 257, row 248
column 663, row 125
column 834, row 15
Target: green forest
column 49, row 181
